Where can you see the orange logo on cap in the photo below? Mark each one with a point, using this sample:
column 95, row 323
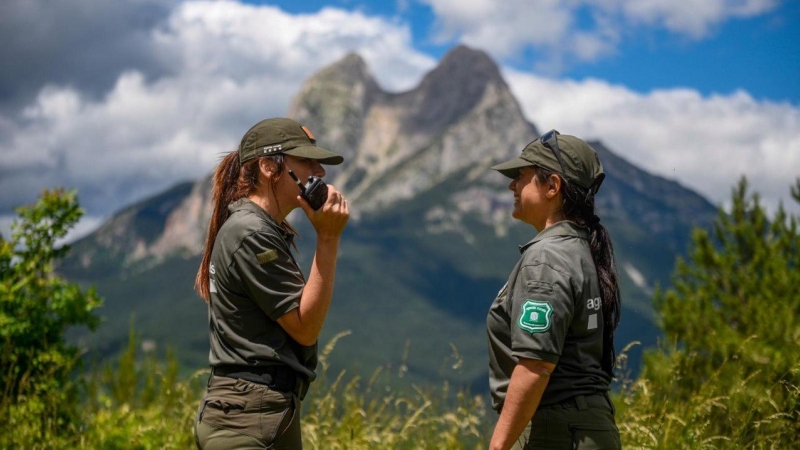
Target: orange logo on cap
column 308, row 132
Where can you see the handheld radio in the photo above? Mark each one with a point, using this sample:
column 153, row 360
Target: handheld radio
column 315, row 192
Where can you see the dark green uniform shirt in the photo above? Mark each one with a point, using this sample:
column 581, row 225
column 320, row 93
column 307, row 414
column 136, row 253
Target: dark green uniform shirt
column 550, row 310
column 254, row 281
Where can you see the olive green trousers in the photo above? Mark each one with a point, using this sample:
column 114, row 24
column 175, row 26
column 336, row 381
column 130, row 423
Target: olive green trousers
column 582, row 423
column 239, row 414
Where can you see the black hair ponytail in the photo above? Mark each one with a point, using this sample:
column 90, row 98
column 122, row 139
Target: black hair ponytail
column 579, row 208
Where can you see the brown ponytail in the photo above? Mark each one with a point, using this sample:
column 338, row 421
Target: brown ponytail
column 230, row 182
column 579, row 208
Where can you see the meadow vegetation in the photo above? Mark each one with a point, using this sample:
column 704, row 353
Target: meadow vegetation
column 725, row 375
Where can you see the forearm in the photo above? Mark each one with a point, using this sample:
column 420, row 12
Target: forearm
column 318, row 291
column 528, row 382
column 304, row 323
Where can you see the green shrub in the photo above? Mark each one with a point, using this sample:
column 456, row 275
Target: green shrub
column 38, row 397
column 728, row 373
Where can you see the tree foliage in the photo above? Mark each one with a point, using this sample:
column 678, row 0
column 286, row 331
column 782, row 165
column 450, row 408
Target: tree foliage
column 36, row 308
column 728, row 373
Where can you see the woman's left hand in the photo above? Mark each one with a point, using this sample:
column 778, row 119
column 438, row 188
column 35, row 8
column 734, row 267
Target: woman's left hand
column 329, row 220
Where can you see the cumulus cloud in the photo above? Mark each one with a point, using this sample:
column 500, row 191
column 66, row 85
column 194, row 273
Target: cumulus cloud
column 584, row 30
column 80, row 43
column 211, row 69
column 227, row 65
column 704, row 142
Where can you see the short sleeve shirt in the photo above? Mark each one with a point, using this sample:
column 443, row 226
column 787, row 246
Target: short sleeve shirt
column 254, row 280
column 550, row 310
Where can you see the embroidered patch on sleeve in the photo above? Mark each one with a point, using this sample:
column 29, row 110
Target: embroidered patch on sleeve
column 535, row 316
column 267, row 256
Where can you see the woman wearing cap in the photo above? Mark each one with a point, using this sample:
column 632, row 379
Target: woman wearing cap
column 551, row 327
column 264, row 317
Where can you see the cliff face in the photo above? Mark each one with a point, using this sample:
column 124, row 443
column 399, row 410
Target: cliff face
column 461, row 115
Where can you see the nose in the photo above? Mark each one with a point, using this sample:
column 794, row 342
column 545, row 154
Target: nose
column 513, row 185
column 317, row 170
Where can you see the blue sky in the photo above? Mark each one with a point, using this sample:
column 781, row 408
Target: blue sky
column 759, row 54
column 124, row 99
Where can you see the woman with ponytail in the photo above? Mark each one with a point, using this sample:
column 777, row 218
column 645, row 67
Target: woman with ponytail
column 264, row 317
column 551, row 327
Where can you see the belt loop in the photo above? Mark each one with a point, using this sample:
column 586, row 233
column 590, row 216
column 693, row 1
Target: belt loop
column 580, row 402
column 610, row 403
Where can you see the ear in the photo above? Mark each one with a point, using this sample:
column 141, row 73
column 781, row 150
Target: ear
column 553, row 186
column 267, row 168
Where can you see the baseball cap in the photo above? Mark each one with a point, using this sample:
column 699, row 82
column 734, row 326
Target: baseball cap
column 283, row 136
column 581, row 165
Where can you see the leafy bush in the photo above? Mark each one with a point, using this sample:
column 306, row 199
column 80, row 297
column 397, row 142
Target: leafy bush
column 37, row 395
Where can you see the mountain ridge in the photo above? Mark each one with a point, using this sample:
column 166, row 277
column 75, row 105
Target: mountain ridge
column 431, row 238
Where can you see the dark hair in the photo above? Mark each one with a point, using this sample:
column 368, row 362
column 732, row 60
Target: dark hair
column 578, row 207
column 230, row 182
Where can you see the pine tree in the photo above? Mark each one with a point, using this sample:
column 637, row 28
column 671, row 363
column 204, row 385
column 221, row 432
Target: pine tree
column 728, row 372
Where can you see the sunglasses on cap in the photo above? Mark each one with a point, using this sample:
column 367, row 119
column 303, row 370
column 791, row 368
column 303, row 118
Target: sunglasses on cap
column 550, row 141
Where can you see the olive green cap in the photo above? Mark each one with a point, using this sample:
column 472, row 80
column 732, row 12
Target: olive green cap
column 581, row 164
column 283, row 136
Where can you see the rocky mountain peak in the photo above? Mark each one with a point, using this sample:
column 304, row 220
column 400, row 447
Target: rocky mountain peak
column 399, row 144
column 334, row 101
column 351, row 69
column 455, row 86
column 463, row 66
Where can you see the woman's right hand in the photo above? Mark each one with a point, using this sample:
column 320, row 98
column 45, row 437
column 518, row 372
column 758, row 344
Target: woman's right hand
column 328, row 221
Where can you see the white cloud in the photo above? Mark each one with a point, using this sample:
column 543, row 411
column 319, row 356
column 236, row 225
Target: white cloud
column 230, row 65
column 503, row 28
column 560, row 29
column 706, row 143
column 693, row 18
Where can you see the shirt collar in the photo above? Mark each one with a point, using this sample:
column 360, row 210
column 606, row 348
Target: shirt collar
column 245, row 204
column 562, row 228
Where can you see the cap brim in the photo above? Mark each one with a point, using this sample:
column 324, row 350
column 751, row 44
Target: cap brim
column 314, row 152
column 511, row 168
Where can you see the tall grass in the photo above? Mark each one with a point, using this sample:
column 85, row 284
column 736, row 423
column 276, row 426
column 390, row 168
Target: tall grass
column 350, row 413
column 729, row 410
column 140, row 402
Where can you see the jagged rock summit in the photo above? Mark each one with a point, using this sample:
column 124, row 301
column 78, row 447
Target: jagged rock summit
column 400, row 144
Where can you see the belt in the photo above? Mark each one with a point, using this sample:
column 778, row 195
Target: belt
column 584, row 401
column 278, row 377
column 597, row 400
